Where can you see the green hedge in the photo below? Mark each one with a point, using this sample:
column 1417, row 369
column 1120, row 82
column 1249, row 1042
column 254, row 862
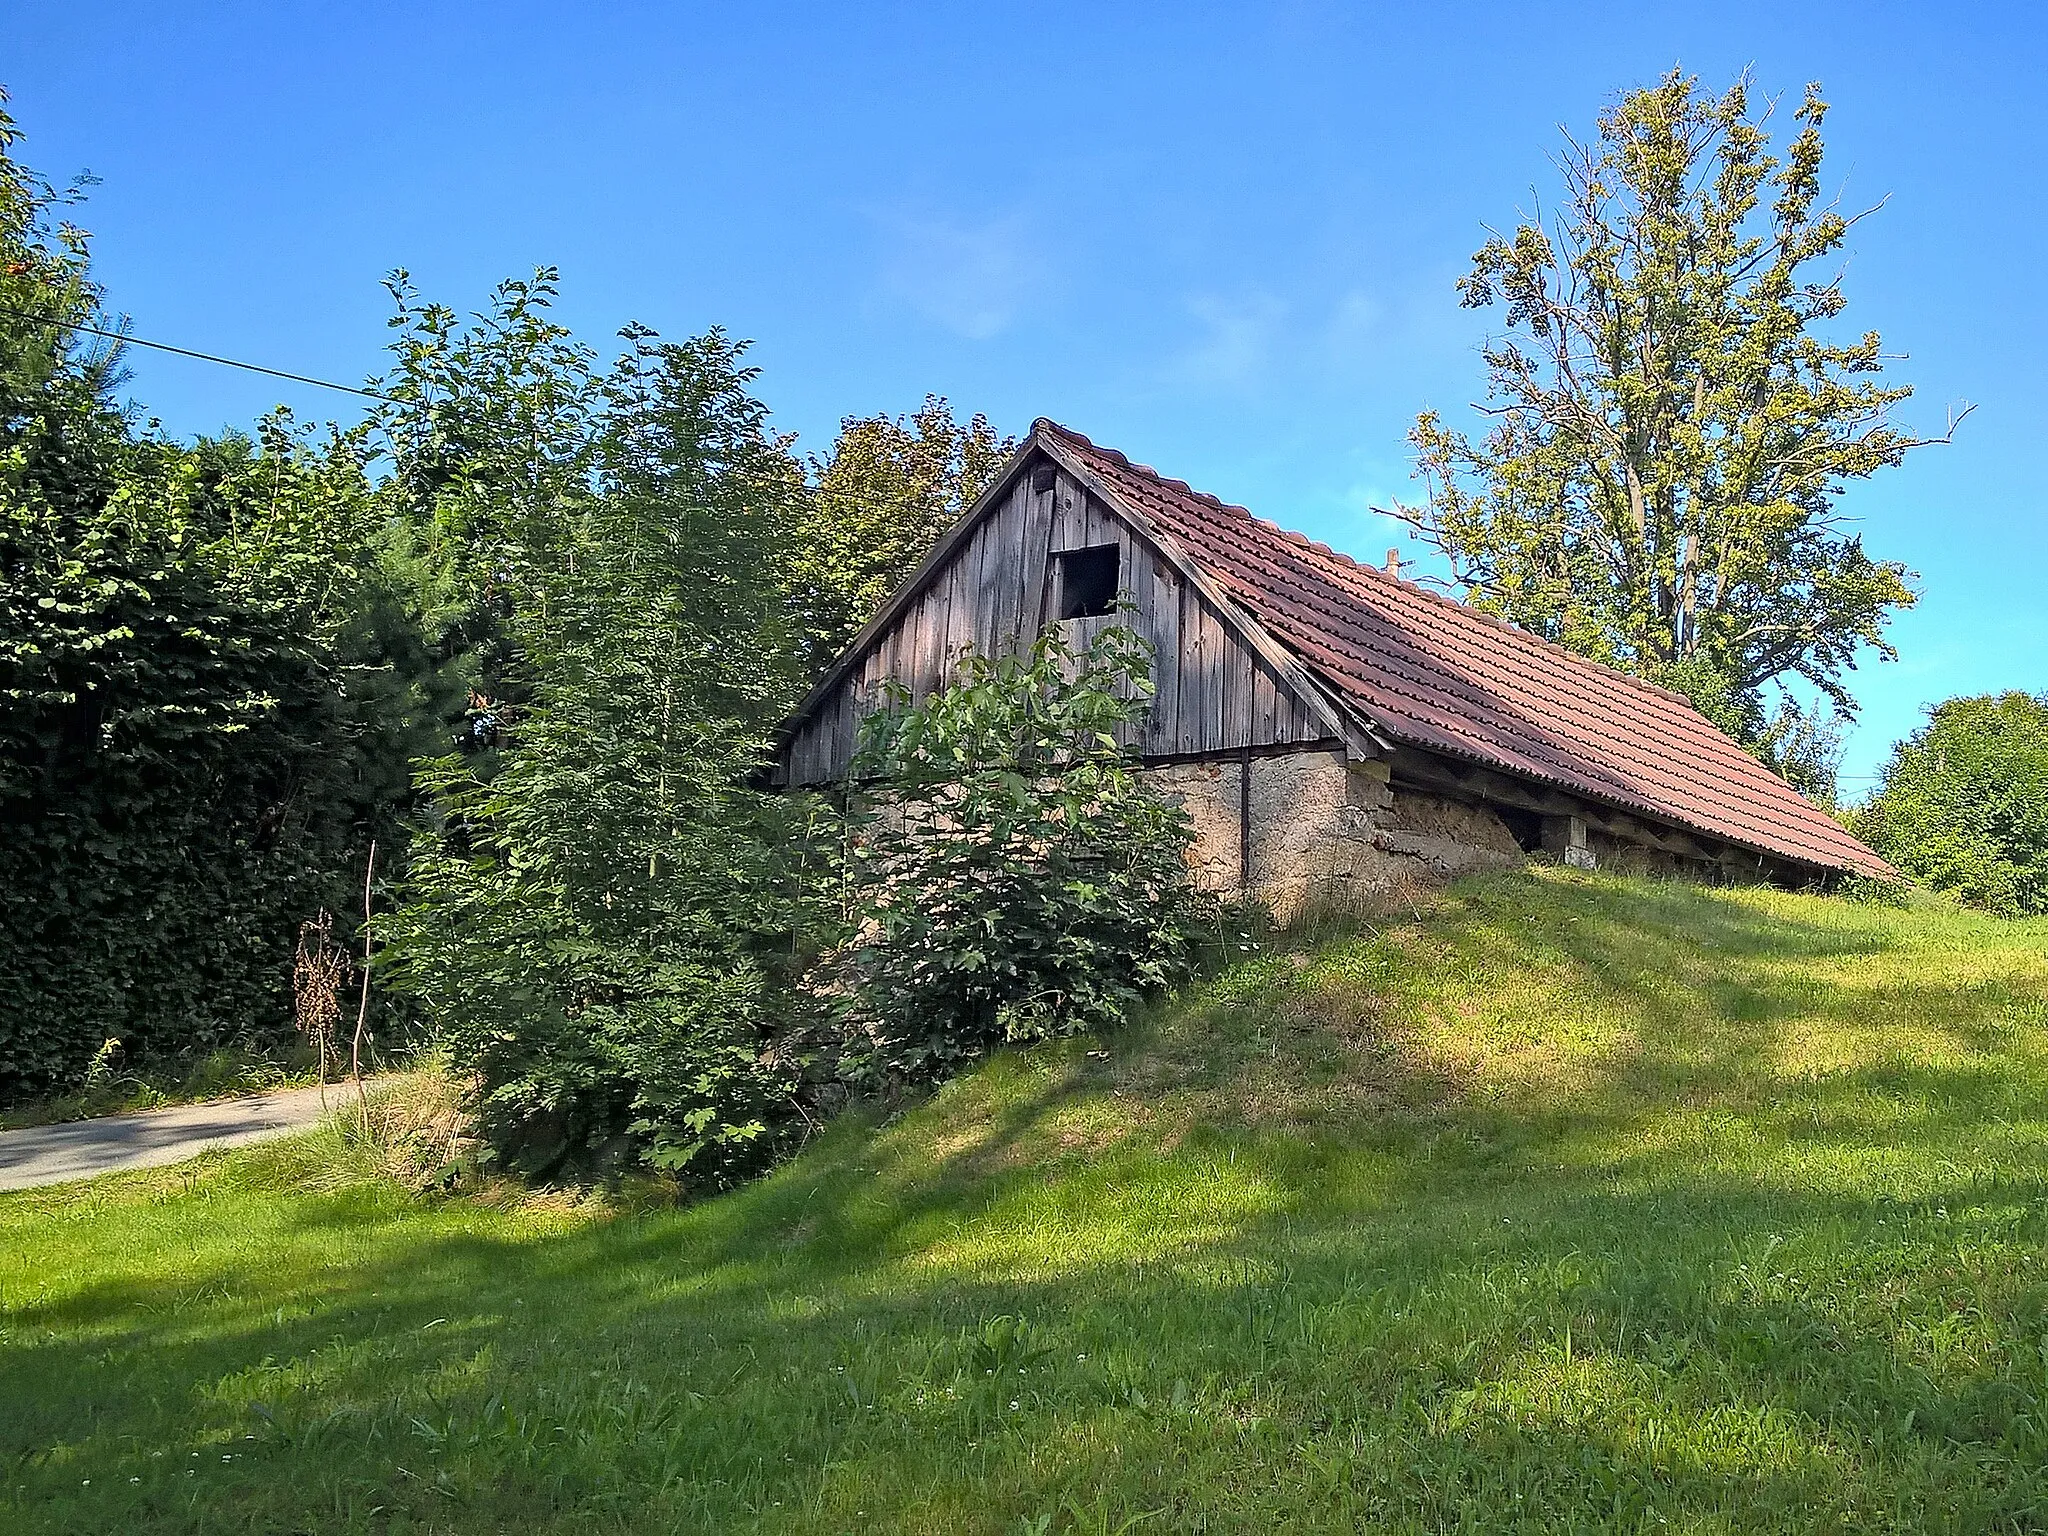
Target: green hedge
column 171, row 802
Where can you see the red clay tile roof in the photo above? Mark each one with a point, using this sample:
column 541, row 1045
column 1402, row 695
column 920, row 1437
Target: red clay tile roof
column 1431, row 673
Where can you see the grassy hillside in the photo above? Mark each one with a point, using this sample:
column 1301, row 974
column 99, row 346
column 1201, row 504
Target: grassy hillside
column 1577, row 1203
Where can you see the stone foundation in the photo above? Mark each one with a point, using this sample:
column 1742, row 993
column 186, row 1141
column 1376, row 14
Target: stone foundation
column 1325, row 831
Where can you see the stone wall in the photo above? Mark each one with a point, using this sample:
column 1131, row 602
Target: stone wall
column 1324, row 831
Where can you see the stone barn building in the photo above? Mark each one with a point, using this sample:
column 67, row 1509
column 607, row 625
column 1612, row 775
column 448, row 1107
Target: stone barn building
column 1332, row 729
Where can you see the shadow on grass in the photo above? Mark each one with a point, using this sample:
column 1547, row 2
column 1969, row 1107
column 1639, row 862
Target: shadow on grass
column 1483, row 1312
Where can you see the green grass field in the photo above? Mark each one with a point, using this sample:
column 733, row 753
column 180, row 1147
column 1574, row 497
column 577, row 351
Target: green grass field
column 1579, row 1203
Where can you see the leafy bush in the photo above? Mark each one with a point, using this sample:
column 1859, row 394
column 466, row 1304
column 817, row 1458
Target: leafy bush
column 1963, row 804
column 599, row 1038
column 1015, row 879
column 591, row 906
column 1875, row 891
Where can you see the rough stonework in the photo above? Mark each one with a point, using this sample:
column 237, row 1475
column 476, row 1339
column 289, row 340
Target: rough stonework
column 1207, row 791
column 1324, row 832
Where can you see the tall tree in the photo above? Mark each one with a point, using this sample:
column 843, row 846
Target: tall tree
column 1963, row 805
column 63, row 440
column 491, row 428
column 881, row 498
column 587, row 922
column 1674, row 416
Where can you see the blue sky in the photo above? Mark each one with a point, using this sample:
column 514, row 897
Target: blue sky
column 1222, row 239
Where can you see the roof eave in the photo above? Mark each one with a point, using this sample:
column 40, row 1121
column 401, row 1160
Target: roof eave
column 1642, row 810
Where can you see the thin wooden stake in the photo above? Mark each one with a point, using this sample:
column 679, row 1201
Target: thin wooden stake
column 355, row 1053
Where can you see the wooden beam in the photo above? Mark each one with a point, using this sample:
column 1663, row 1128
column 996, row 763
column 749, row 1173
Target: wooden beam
column 1436, row 774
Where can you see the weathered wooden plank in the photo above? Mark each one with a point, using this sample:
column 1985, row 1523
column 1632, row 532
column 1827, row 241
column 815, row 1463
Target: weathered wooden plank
column 1201, row 690
column 942, row 623
column 1063, row 533
column 1020, row 548
column 811, row 759
column 930, row 640
column 1215, row 685
column 959, row 627
column 819, row 752
column 1130, row 574
column 842, row 720
column 822, row 750
column 1161, row 625
column 1070, row 531
column 876, row 671
column 913, row 646
column 1134, row 585
column 1189, row 705
column 1295, row 722
column 848, row 712
column 1264, row 725
column 1006, row 529
column 1096, row 525
column 1038, row 521
column 892, row 654
column 1309, row 726
column 818, row 748
column 999, row 578
column 1237, row 696
column 987, row 573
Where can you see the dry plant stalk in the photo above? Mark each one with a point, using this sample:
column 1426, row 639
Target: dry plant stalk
column 317, row 973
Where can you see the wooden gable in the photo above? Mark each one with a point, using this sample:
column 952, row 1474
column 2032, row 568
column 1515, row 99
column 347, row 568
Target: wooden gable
column 994, row 581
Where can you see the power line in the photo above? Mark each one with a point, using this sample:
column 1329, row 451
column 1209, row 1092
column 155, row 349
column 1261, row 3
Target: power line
column 816, row 493
column 204, row 357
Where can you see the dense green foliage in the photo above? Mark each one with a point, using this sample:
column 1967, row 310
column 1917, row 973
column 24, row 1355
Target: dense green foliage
column 1581, row 1204
column 1963, row 803
column 527, row 630
column 1014, row 879
column 200, row 727
column 606, row 923
column 189, row 768
column 585, row 925
column 1672, row 421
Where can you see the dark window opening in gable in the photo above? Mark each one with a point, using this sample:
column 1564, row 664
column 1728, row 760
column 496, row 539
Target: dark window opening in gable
column 1087, row 581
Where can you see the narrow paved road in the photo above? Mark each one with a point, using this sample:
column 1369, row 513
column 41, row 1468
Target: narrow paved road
column 83, row 1149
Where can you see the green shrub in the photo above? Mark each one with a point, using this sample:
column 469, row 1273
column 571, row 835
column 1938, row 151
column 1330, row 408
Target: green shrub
column 592, row 903
column 1875, row 891
column 192, row 763
column 1963, row 805
column 596, row 1039
column 1014, row 878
